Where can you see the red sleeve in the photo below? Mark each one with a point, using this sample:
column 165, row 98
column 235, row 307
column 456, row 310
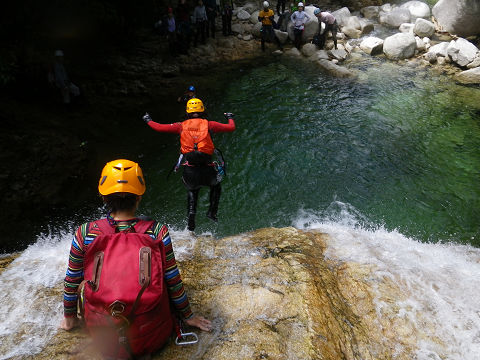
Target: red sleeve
column 214, row 126
column 175, row 128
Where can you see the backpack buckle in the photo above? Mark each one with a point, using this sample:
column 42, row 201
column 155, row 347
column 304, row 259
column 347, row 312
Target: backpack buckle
column 189, row 338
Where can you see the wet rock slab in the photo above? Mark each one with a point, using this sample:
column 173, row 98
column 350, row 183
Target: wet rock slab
column 272, row 294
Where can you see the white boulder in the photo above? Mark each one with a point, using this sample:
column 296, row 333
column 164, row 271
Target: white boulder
column 281, row 35
column 460, row 17
column 386, row 7
column 309, row 49
column 353, row 22
column 256, row 31
column 293, row 52
column 322, row 54
column 243, row 15
column 471, row 76
column 399, row 46
column 418, row 9
column 338, row 54
column 439, row 49
column 461, row 51
column 250, row 7
column 395, row 18
column 351, row 33
column 342, row 15
column 475, row 63
column 372, row 45
column 254, row 17
column 237, row 29
column 423, row 28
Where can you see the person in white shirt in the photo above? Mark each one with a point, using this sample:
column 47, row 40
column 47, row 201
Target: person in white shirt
column 299, row 18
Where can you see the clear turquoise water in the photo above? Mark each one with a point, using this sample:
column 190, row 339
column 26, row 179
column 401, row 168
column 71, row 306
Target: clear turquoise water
column 397, row 148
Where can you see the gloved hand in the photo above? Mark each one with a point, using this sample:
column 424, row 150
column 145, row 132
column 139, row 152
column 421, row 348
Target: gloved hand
column 147, row 118
column 228, row 115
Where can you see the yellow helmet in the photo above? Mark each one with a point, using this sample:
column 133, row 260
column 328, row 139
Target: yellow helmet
column 195, row 105
column 121, row 176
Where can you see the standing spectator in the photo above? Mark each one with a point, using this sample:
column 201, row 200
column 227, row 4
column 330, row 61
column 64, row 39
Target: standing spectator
column 299, row 18
column 227, row 10
column 184, row 29
column 199, row 19
column 59, row 77
column 266, row 17
column 211, row 7
column 171, row 32
column 330, row 25
column 282, row 3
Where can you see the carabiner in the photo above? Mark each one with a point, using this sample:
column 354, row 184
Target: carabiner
column 179, row 339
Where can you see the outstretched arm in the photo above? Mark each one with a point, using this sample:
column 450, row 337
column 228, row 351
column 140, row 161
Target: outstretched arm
column 175, row 128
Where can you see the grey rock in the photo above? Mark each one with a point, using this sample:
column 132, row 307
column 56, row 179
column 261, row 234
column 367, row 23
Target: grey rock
column 282, row 36
column 460, row 17
column 420, row 44
column 471, row 76
column 370, row 12
column 439, row 49
column 418, row 9
column 250, row 7
column 351, row 32
column 461, row 51
column 342, row 15
column 237, row 29
column 254, row 17
column 308, row 50
column 338, row 54
column 441, row 60
column 431, row 57
column 243, row 15
column 366, row 27
column 372, row 45
column 475, row 63
column 399, row 46
column 423, row 28
column 395, row 18
column 353, row 22
column 293, row 52
column 335, row 70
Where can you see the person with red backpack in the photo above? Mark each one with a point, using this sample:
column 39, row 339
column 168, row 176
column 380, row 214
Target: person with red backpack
column 196, row 147
column 122, row 274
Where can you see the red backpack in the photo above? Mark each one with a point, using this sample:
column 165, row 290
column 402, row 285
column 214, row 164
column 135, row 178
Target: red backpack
column 125, row 301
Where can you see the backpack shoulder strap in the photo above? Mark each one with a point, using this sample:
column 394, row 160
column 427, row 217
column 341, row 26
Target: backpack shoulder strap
column 105, row 226
column 143, row 225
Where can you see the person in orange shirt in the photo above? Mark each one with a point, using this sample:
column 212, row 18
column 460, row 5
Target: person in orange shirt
column 266, row 16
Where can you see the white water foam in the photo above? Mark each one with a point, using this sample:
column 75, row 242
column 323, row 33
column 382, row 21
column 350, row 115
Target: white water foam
column 443, row 280
column 30, row 309
column 31, row 306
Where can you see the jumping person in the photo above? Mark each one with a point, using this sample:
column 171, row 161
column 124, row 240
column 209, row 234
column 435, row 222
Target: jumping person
column 330, row 25
column 97, row 271
column 299, row 19
column 266, row 17
column 196, row 149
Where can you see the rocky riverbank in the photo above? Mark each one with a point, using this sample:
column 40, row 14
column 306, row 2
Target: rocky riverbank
column 273, row 294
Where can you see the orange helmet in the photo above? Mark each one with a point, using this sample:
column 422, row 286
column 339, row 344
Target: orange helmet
column 121, row 176
column 195, row 105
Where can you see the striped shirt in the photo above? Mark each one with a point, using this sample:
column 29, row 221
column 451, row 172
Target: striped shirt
column 87, row 233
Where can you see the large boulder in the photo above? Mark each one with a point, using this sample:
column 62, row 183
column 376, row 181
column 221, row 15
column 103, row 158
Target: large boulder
column 342, row 16
column 424, row 28
column 353, row 22
column 460, row 17
column 351, row 32
column 237, row 29
column 399, row 46
column 475, row 63
column 254, row 17
column 293, row 52
column 370, row 12
column 281, row 35
column 243, row 15
column 471, row 76
column 461, row 51
column 250, row 7
column 256, row 31
column 372, row 45
column 418, row 9
column 309, row 49
column 395, row 18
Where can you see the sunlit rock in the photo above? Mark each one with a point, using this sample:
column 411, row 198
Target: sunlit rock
column 424, row 28
column 461, row 51
column 399, row 46
column 460, row 17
